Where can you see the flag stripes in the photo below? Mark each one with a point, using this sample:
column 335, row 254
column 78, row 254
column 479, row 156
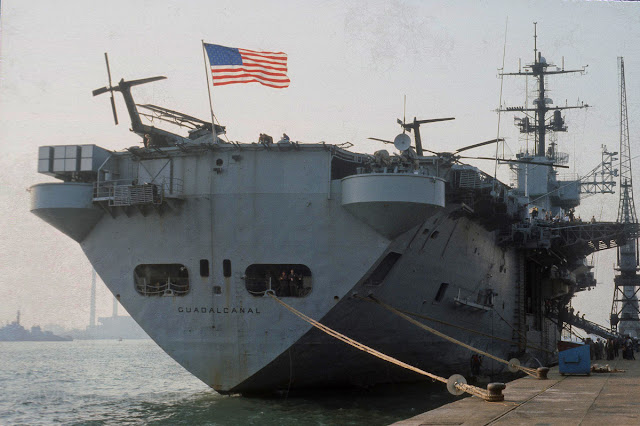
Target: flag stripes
column 231, row 65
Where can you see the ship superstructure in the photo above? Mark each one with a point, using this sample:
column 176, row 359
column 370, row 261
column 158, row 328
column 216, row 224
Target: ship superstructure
column 191, row 233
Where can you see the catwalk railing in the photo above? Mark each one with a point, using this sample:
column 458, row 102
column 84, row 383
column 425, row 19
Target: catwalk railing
column 119, row 193
column 588, row 326
column 571, row 238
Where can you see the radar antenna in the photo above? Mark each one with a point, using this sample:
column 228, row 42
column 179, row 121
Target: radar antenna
column 539, row 69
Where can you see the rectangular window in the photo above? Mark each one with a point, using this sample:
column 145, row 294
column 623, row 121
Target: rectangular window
column 161, row 279
column 441, row 291
column 204, row 268
column 284, row 280
column 226, row 268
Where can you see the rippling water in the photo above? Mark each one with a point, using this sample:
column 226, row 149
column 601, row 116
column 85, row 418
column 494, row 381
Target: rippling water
column 131, row 382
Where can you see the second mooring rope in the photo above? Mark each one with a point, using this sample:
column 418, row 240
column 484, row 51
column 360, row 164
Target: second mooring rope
column 529, row 371
column 470, row 330
column 473, row 390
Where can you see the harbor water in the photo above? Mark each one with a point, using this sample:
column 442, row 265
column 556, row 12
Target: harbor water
column 133, row 381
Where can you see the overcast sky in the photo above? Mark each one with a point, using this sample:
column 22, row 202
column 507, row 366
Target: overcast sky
column 350, row 64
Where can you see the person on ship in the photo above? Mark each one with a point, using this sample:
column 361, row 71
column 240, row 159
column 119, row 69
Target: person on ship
column 284, row 284
column 293, row 283
column 476, row 362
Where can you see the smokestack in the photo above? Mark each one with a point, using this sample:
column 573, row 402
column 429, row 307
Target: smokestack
column 92, row 312
column 115, row 307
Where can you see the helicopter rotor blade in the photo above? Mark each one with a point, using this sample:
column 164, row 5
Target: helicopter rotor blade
column 110, row 89
column 144, row 80
column 100, row 91
column 433, row 120
column 476, row 145
column 514, row 161
column 381, row 140
column 106, row 58
column 113, row 108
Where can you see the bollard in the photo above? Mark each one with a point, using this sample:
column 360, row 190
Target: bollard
column 495, row 392
column 542, row 372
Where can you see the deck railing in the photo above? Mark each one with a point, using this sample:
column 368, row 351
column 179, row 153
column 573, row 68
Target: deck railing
column 127, row 193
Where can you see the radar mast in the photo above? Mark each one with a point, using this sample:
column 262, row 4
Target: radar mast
column 539, row 69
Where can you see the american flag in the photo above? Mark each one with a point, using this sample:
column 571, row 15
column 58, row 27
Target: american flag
column 230, row 65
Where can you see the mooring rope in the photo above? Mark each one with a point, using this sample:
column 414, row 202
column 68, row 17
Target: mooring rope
column 428, row 318
column 530, row 371
column 473, row 390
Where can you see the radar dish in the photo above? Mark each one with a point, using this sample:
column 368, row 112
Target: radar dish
column 402, row 142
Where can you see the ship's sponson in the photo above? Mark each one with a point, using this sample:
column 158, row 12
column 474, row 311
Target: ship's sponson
column 392, row 203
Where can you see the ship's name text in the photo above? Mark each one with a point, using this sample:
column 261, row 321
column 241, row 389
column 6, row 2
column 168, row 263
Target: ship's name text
column 217, row 310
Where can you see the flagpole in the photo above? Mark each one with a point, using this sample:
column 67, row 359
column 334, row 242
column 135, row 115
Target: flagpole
column 207, row 71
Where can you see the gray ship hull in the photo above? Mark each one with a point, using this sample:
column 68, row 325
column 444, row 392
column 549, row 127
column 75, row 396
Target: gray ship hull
column 260, row 207
column 283, row 208
column 318, row 360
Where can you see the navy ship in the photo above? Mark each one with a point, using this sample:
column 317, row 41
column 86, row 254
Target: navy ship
column 14, row 332
column 192, row 234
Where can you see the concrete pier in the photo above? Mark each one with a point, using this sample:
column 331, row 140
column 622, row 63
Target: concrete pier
column 598, row 399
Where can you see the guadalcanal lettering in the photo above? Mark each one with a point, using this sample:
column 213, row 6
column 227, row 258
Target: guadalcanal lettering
column 217, row 310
